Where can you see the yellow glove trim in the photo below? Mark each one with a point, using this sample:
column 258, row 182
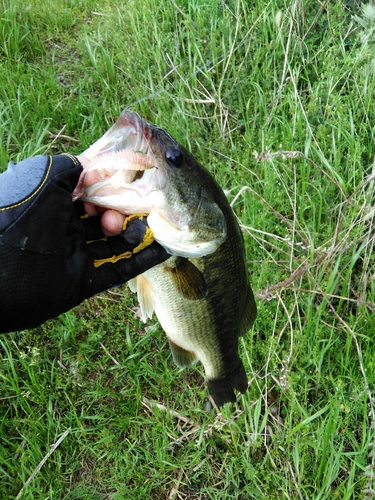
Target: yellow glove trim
column 148, row 239
column 73, row 158
column 36, row 190
column 42, row 182
column 99, row 239
column 113, row 259
column 131, row 217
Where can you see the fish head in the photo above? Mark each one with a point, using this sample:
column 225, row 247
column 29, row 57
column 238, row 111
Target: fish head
column 157, row 176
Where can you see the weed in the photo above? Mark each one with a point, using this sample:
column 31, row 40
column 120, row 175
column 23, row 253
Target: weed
column 276, row 99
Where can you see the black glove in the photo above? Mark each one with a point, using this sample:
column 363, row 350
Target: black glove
column 48, row 251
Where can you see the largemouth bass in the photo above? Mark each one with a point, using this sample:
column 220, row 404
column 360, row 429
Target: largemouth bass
column 201, row 294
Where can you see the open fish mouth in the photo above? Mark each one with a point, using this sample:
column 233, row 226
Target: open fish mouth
column 122, row 167
column 143, row 170
column 123, row 154
column 129, row 132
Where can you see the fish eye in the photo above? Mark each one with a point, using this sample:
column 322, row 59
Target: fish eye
column 174, row 156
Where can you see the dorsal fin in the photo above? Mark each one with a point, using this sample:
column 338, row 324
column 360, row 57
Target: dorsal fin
column 249, row 312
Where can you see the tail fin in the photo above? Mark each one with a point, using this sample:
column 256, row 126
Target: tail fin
column 222, row 389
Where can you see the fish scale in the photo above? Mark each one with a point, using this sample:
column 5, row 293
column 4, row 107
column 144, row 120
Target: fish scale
column 201, row 294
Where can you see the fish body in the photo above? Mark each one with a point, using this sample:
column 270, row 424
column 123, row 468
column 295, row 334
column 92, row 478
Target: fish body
column 201, row 294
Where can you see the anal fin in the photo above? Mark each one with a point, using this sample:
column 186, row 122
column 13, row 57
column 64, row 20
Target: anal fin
column 181, row 357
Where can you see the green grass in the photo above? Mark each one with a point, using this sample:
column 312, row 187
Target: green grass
column 276, row 99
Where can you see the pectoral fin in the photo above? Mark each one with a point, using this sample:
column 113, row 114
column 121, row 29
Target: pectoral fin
column 188, row 279
column 182, row 357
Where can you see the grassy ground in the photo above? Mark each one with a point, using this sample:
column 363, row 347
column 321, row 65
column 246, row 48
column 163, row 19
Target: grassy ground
column 276, row 99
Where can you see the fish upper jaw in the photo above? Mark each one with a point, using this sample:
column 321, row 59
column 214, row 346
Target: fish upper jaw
column 126, row 133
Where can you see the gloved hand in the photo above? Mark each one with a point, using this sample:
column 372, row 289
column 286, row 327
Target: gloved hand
column 48, row 251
